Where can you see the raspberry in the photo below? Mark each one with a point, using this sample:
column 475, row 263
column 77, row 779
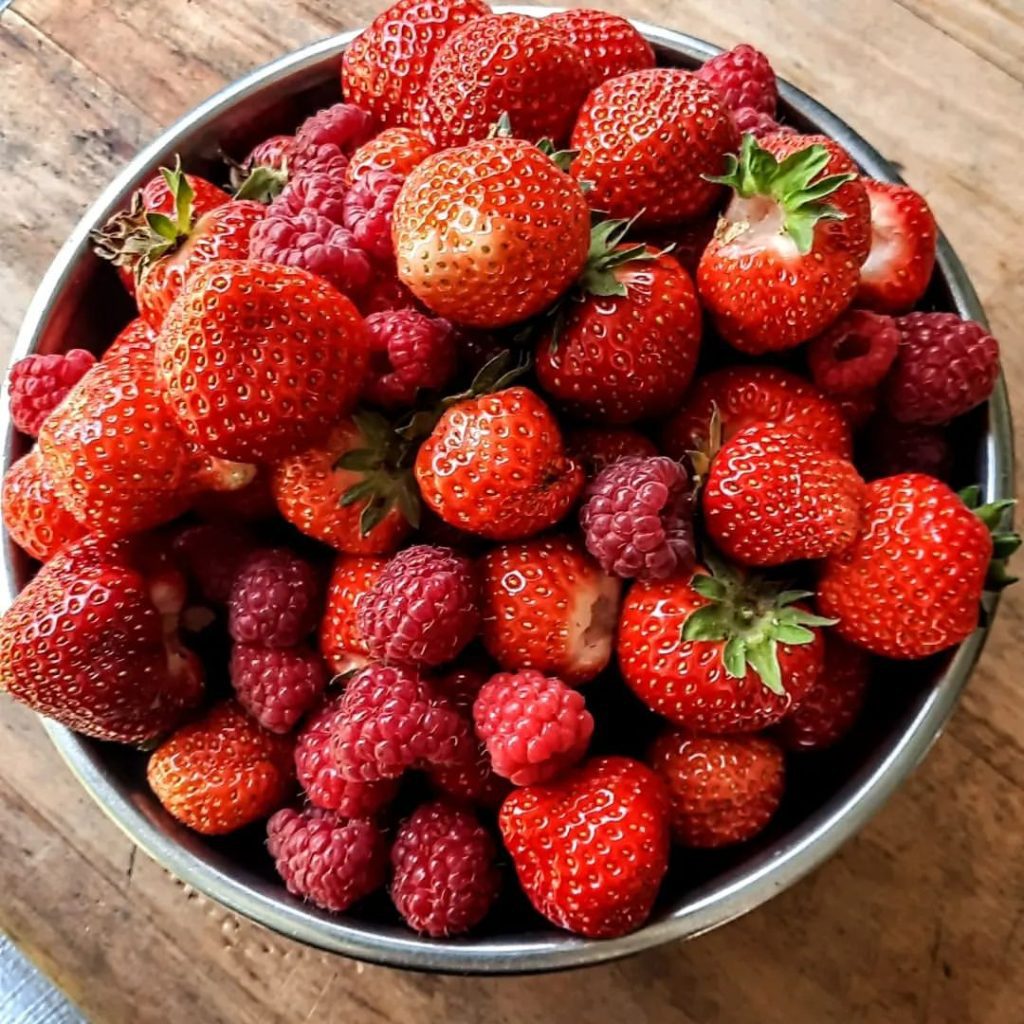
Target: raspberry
column 751, row 121
column 444, row 877
column 391, row 719
column 533, row 726
column 637, row 517
column 321, row 191
column 409, row 352
column 277, row 686
column 894, row 447
column 597, row 447
column 212, row 554
column 274, row 600
column 318, row 774
column 326, row 860
column 472, row 781
column 330, row 133
column 743, row 77
column 423, row 609
column 368, row 206
column 857, row 408
column 37, row 385
column 854, row 354
column 461, row 685
column 945, row 367
column 387, row 293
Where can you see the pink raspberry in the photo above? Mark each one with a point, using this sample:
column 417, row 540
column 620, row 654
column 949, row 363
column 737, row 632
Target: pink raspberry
column 637, row 518
column 318, row 774
column 277, row 686
column 533, row 726
column 444, row 877
column 368, row 206
column 945, row 367
column 330, row 133
column 854, row 354
column 320, row 191
column 757, row 123
column 391, row 719
column 409, row 352
column 423, row 609
column 743, row 77
column 325, row 859
column 275, row 600
column 37, row 384
column 893, row 447
column 211, row 554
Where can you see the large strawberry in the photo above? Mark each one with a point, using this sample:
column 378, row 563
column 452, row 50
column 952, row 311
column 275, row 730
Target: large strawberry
column 258, row 360
column 911, row 584
column 626, row 341
column 385, row 68
column 341, row 641
column 647, row 140
column 719, row 653
column 490, row 233
column 92, row 641
column 591, row 848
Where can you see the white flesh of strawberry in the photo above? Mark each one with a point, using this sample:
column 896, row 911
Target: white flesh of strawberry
column 753, row 225
column 592, row 620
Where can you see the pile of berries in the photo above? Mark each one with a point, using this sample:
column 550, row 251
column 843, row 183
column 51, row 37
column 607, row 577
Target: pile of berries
column 445, row 419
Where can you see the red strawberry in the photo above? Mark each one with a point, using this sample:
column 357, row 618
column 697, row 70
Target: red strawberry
column 395, row 150
column 899, row 266
column 626, row 342
column 718, row 653
column 744, row 79
column 746, row 395
column 385, row 68
column 92, row 641
column 496, row 466
column 222, row 772
column 490, row 233
column 264, row 172
column 591, row 848
column 646, row 140
column 245, row 375
column 341, row 641
column 610, row 45
column 910, row 585
column 546, row 605
column 597, row 447
column 504, row 65
column 773, row 497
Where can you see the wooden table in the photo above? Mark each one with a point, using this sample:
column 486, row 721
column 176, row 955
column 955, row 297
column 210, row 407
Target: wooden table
column 919, row 919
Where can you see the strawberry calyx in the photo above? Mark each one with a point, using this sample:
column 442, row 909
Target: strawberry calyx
column 561, row 158
column 705, row 449
column 751, row 616
column 1004, row 541
column 789, row 185
column 607, row 254
column 262, row 184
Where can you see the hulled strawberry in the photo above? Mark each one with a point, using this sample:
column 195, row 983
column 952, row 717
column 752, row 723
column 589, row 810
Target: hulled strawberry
column 647, row 140
column 610, row 45
column 92, row 641
column 341, row 640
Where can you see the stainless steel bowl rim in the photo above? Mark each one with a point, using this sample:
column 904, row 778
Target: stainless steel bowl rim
column 718, row 901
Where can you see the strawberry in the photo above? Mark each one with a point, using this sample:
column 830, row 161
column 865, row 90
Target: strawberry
column 591, row 848
column 341, row 641
column 911, row 583
column 772, row 497
column 258, row 360
column 610, row 45
column 504, row 65
column 496, row 466
column 222, row 772
column 135, row 334
column 546, row 605
column 92, row 641
column 395, row 150
column 384, row 70
column 626, row 341
column 745, row 395
column 265, row 171
column 490, row 233
column 719, row 653
column 899, row 266
column 646, row 141
column 594, row 448
column 790, row 220
column 34, row 517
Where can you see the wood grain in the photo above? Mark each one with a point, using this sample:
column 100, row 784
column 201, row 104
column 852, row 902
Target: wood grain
column 919, row 919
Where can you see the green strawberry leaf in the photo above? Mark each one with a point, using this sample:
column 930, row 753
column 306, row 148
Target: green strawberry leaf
column 763, row 658
column 263, row 184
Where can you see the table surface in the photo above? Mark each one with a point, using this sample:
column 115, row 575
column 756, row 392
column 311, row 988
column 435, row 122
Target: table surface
column 919, row 919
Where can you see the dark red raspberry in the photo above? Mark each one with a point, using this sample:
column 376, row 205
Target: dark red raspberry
column 472, row 781
column 409, row 352
column 37, row 385
column 275, row 600
column 533, row 726
column 325, row 859
column 321, row 191
column 423, row 609
column 277, row 686
column 858, row 408
column 945, row 367
column 854, row 354
column 598, row 447
column 755, row 122
column 211, row 554
column 330, row 133
column 461, row 685
column 386, row 293
column 893, row 447
column 444, row 877
column 318, row 774
column 368, row 206
column 743, row 77
column 392, row 719
column 637, row 517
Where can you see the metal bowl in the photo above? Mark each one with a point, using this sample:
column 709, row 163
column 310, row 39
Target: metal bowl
column 827, row 802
